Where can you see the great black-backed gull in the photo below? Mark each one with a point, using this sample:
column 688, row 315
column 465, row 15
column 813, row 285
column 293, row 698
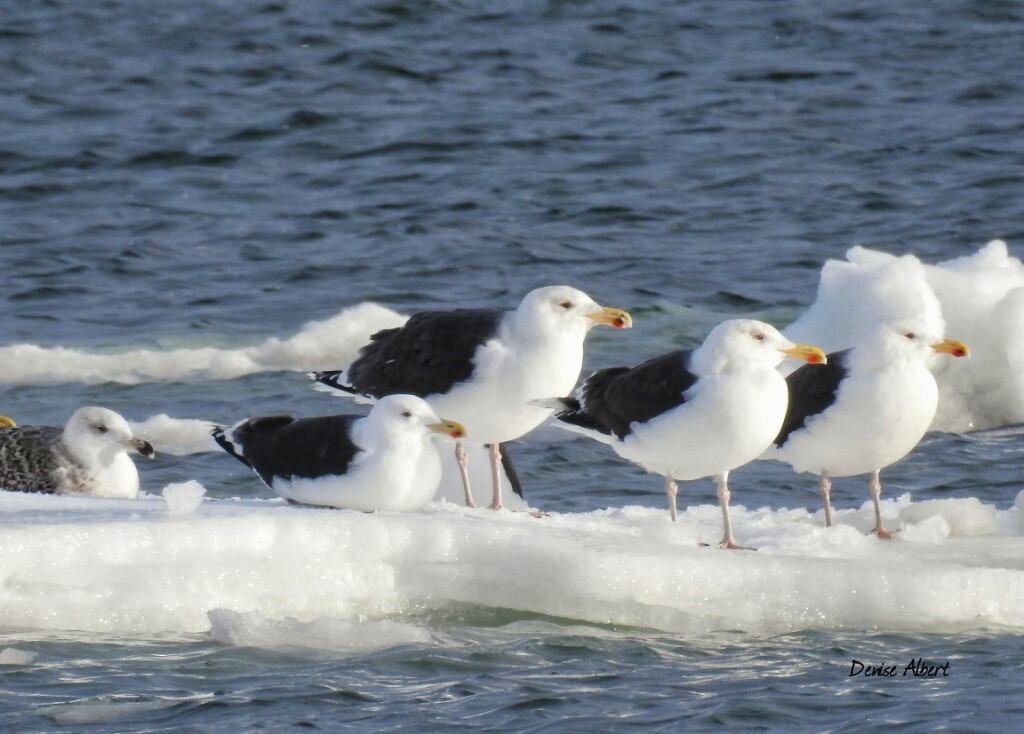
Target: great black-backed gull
column 87, row 457
column 868, row 408
column 692, row 414
column 383, row 461
column 485, row 366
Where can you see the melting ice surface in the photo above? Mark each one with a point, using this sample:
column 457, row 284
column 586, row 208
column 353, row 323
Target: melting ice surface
column 260, row 572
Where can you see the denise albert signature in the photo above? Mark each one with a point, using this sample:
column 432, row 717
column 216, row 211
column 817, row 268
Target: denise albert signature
column 917, row 668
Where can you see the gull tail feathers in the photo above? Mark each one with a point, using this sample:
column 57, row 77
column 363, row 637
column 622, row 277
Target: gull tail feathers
column 335, row 382
column 571, row 415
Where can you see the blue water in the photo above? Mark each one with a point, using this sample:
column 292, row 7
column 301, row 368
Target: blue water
column 183, row 174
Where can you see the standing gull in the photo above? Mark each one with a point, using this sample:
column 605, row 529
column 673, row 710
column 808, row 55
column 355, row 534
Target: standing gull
column 87, row 457
column 692, row 414
column 864, row 411
column 383, row 461
column 484, row 365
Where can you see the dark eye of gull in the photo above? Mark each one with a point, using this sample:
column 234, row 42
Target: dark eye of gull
column 566, row 305
column 758, row 336
column 910, row 335
column 406, row 414
column 101, row 428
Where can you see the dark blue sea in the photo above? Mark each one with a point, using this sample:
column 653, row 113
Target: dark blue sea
column 214, row 174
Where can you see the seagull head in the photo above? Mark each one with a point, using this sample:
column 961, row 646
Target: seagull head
column 413, row 415
column 911, row 340
column 99, row 433
column 747, row 341
column 561, row 308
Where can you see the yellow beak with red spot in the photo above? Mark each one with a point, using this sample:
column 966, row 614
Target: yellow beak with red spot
column 448, row 428
column 615, row 317
column 807, row 353
column 953, row 347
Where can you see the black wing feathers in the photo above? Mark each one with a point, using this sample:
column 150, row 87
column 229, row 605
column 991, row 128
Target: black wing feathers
column 279, row 446
column 428, row 355
column 617, row 397
column 812, row 389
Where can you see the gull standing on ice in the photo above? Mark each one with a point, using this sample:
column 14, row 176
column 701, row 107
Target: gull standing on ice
column 692, row 414
column 383, row 461
column 867, row 409
column 88, row 457
column 486, row 366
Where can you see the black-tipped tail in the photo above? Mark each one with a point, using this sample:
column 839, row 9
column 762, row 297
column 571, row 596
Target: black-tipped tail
column 331, row 380
column 572, row 413
column 225, row 443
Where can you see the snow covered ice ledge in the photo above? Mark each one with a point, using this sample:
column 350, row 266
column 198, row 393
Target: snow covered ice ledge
column 152, row 565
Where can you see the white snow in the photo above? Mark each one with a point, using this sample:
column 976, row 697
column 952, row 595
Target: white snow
column 980, row 300
column 260, row 572
column 183, row 498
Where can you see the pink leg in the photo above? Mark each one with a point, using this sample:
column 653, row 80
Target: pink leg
column 495, row 454
column 671, row 490
column 825, row 487
column 461, row 459
column 722, row 486
column 875, row 488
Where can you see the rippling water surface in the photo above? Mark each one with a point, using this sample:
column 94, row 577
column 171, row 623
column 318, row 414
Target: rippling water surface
column 190, row 174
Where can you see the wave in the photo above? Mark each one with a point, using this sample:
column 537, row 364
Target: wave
column 332, row 342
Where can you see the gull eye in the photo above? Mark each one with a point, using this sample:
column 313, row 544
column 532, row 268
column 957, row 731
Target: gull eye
column 758, row 336
column 566, row 305
column 101, row 429
column 910, row 335
column 406, row 414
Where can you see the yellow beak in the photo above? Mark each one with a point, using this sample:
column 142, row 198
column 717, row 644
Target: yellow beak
column 6, row 422
column 449, row 428
column 612, row 317
column 809, row 354
column 953, row 347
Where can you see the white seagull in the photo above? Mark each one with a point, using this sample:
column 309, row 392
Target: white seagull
column 692, row 414
column 486, row 366
column 88, row 457
column 866, row 410
column 383, row 461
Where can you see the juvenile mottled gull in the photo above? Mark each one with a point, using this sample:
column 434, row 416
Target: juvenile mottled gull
column 383, row 461
column 483, row 365
column 864, row 411
column 87, row 457
column 692, row 414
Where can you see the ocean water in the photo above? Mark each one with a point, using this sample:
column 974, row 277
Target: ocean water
column 193, row 196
